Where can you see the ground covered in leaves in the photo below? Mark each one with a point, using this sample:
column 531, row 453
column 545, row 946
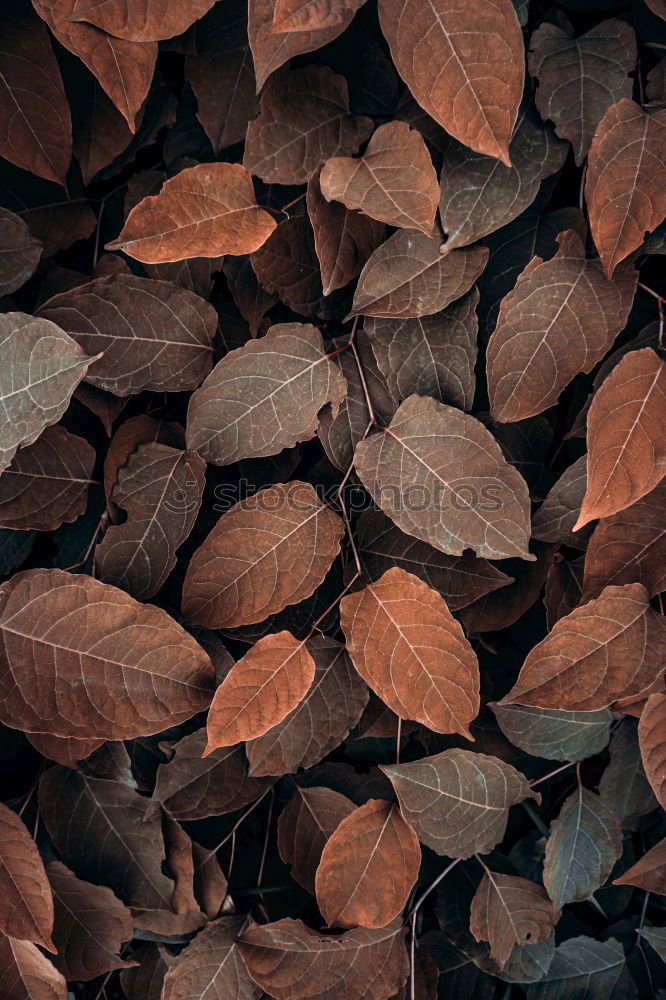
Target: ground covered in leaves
column 331, row 500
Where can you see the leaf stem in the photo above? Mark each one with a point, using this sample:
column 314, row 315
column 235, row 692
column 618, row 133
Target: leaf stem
column 433, row 885
column 552, row 774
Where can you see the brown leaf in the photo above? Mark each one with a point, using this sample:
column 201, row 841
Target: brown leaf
column 624, row 192
column 47, row 482
column 271, row 50
column 211, row 966
column 42, row 366
column 501, row 608
column 103, row 404
column 204, row 211
column 190, row 787
column 26, row 908
column 626, row 457
column 91, row 925
column 409, row 276
column 555, row 518
column 268, row 551
column 458, row 801
column 509, row 911
column 145, row 981
column 263, row 397
column 649, row 872
column 66, row 750
column 579, row 78
column 36, row 128
column 441, row 476
column 19, row 252
column 100, row 136
column 368, row 867
column 312, row 15
column 160, row 488
column 399, row 620
column 123, row 68
column 304, row 119
column 196, row 274
column 129, row 670
column 131, row 434
column 305, row 825
column 610, row 648
column 252, row 301
column 628, row 547
column 222, row 76
column 430, row 356
column 343, row 240
column 260, row 690
column 441, row 52
column 59, row 225
column 480, row 194
column 394, row 180
column 559, row 320
column 151, row 334
column 296, row 963
column 140, row 20
column 26, row 974
column 460, row 580
column 652, row 739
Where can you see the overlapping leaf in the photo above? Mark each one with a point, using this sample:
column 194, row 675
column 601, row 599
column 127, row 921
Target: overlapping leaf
column 652, row 738
column 26, row 909
column 140, row 20
column 25, row 972
column 554, row 734
column 304, row 827
column 509, row 912
column 19, row 252
column 211, row 966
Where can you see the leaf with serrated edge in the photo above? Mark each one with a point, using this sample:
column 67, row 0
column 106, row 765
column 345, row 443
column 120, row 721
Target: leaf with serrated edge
column 304, row 826
column 129, row 670
column 409, row 648
column 452, row 461
column 458, row 801
column 509, row 911
column 26, row 904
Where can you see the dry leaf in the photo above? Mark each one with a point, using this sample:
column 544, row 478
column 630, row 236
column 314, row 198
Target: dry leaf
column 305, row 825
column 312, row 15
column 140, row 20
column 26, row 973
column 652, row 739
column 19, row 252
column 204, row 211
column 211, row 966
column 409, row 648
column 509, row 912
column 368, row 867
column 555, row 518
column 649, row 872
column 27, row 903
column 554, row 734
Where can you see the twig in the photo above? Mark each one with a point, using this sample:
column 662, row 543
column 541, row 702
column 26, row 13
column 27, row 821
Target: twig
column 209, row 854
column 262, row 864
column 397, row 741
column 552, row 774
column 433, row 885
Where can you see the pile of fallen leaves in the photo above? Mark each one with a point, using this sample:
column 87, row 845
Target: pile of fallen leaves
column 331, row 500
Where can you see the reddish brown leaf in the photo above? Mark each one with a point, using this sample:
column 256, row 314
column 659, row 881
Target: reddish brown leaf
column 331, row 707
column 304, row 119
column 271, row 50
column 579, row 78
column 296, row 963
column 42, row 367
column 145, row 981
column 204, row 211
column 626, row 457
column 190, row 787
column 649, row 872
column 312, row 15
column 66, row 750
column 409, row 648
column 409, row 276
column 652, row 739
column 628, row 547
column 91, row 926
column 509, row 911
column 610, row 648
column 160, row 488
column 394, row 180
column 19, row 252
column 480, row 193
column 460, row 580
column 343, row 240
column 555, row 518
column 26, row 908
column 129, row 672
column 559, row 320
column 35, row 124
column 140, row 20
column 368, row 867
column 624, row 192
column 260, row 690
column 59, row 225
column 47, row 482
column 123, row 68
column 263, row 397
column 441, row 52
column 103, row 404
column 25, row 974
column 458, row 801
column 134, row 432
column 305, row 825
column 464, row 493
column 211, row 966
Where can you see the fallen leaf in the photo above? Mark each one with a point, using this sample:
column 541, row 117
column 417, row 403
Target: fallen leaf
column 368, row 867
column 27, row 902
column 304, row 827
column 211, row 966
column 442, row 55
column 411, row 651
column 554, row 734
column 441, row 477
column 458, row 801
column 140, row 20
column 26, row 973
column 652, row 739
column 509, row 911
column 204, row 211
column 649, row 872
column 130, row 670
